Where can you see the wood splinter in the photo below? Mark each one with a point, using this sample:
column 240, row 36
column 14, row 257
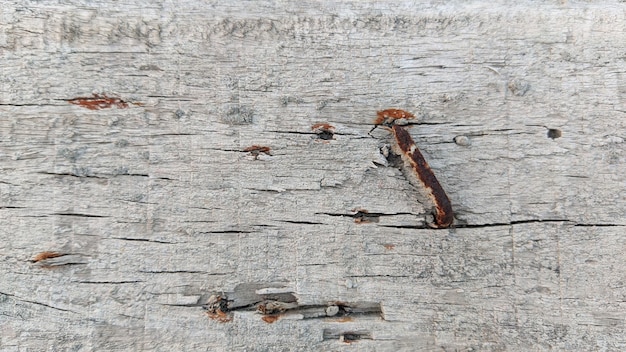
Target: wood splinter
column 413, row 159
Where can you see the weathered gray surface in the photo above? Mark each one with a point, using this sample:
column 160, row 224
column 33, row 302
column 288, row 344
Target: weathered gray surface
column 158, row 207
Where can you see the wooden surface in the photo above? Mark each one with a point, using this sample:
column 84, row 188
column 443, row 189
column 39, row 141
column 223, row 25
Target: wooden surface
column 123, row 130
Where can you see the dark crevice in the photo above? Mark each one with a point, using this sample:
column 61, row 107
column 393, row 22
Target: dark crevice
column 46, row 305
column 180, row 304
column 183, row 272
column 532, row 221
column 39, row 104
column 315, row 133
column 135, row 201
column 11, row 207
column 599, row 225
column 416, row 227
column 142, row 240
column 98, row 177
column 361, row 212
column 225, row 232
column 317, row 264
column 517, row 222
column 34, row 302
column 413, row 123
column 274, row 303
column 170, row 97
column 362, row 216
column 174, row 134
column 393, row 276
column 263, row 190
column 109, row 282
column 302, row 222
column 69, row 174
column 80, row 215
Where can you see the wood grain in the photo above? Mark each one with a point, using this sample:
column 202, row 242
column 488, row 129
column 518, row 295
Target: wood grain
column 156, row 205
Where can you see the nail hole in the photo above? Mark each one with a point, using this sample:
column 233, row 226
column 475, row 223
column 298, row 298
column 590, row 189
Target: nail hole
column 462, row 141
column 554, row 133
column 324, row 131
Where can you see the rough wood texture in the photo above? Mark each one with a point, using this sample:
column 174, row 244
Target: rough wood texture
column 123, row 132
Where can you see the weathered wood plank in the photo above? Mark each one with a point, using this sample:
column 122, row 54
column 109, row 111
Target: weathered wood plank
column 123, row 143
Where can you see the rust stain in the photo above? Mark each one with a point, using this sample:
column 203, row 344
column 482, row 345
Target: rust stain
column 391, row 114
column 256, row 150
column 389, row 246
column 220, row 316
column 217, row 309
column 324, row 131
column 270, row 318
column 97, row 102
column 322, row 127
column 45, row 255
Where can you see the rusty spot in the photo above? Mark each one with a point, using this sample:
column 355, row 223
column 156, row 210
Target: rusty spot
column 220, row 316
column 389, row 115
column 389, row 246
column 270, row 318
column 324, row 131
column 323, row 126
column 98, row 102
column 45, row 255
column 217, row 309
column 256, row 150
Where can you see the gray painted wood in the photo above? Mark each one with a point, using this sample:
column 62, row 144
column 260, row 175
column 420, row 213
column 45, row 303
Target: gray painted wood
column 156, row 206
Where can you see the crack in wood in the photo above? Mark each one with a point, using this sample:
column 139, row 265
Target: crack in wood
column 276, row 302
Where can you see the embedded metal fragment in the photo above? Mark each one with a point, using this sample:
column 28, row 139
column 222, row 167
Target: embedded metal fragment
column 444, row 216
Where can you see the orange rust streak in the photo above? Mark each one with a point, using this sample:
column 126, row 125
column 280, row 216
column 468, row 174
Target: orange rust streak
column 392, row 114
column 270, row 318
column 46, row 255
column 220, row 316
column 323, row 127
column 389, row 246
column 257, row 148
column 98, row 102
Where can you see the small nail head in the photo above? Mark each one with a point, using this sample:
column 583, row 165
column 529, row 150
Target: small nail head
column 462, row 141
